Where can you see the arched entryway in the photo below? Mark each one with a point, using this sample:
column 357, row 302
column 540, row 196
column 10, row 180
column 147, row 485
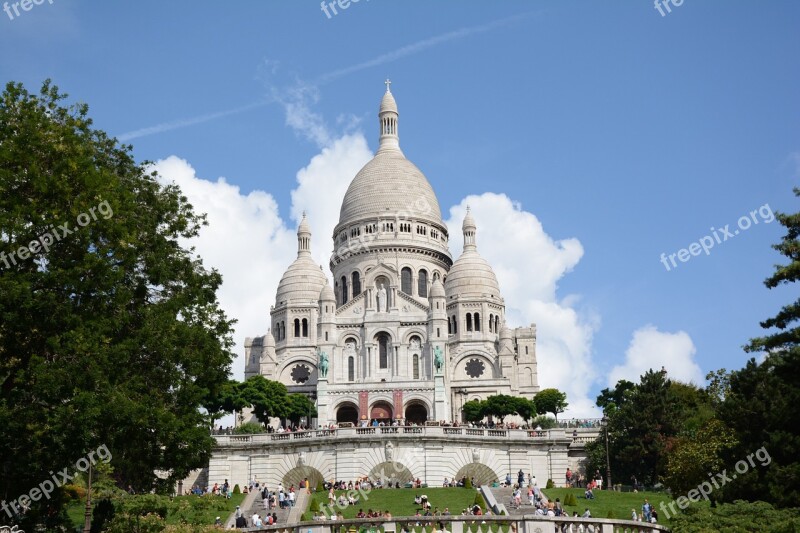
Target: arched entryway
column 478, row 472
column 416, row 413
column 301, row 473
column 391, row 473
column 382, row 412
column 347, row 412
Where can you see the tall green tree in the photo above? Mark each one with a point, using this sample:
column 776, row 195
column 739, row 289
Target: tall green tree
column 110, row 329
column 551, row 401
column 500, row 406
column 474, row 411
column 761, row 405
column 300, row 406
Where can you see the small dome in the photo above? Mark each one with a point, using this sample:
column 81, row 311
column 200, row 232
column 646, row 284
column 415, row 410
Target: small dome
column 437, row 289
column 471, row 275
column 505, row 332
column 388, row 103
column 302, row 282
column 327, row 295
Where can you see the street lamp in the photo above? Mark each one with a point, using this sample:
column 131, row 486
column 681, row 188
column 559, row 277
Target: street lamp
column 87, row 517
column 604, row 423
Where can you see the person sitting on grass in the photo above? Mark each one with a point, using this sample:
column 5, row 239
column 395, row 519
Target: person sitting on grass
column 417, row 500
column 588, row 494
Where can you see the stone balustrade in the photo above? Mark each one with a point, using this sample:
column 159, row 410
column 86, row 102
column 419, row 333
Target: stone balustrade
column 463, row 524
column 412, row 432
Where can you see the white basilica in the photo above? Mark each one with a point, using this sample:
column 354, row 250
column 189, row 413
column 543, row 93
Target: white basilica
column 404, row 333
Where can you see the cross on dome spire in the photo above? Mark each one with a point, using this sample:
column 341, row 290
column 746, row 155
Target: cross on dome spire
column 388, row 82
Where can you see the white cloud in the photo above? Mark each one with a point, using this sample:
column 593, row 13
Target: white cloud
column 652, row 349
column 528, row 264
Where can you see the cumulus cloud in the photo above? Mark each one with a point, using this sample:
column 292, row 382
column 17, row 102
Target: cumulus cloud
column 528, row 277
column 652, row 349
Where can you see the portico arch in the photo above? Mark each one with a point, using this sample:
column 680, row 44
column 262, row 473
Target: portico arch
column 381, row 411
column 416, row 413
column 391, row 472
column 479, row 472
column 299, row 473
column 347, row 412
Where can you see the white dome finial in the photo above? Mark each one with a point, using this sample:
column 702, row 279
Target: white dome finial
column 387, row 117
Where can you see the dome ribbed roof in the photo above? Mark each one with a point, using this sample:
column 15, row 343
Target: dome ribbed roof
column 326, row 294
column 471, row 275
column 390, row 185
column 388, row 103
column 437, row 289
column 304, row 279
column 302, row 282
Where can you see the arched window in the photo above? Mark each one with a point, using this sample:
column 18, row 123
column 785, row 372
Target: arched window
column 282, row 332
column 326, row 335
column 351, row 369
column 497, row 324
column 356, row 284
column 296, row 327
column 449, row 326
column 477, row 321
column 469, row 321
column 305, row 327
column 344, row 289
column 416, row 366
column 491, row 323
column 435, row 276
column 405, row 280
column 383, row 350
column 455, row 325
column 422, row 284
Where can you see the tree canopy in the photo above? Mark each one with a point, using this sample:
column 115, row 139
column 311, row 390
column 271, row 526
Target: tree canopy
column 551, row 401
column 110, row 329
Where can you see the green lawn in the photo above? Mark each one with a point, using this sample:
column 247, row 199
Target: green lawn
column 620, row 503
column 191, row 509
column 400, row 502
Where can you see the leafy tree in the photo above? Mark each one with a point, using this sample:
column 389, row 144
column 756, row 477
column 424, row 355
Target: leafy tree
column 110, row 329
column 691, row 458
column 551, row 401
column 500, row 406
column 738, row 516
column 474, row 411
column 267, row 398
column 544, row 422
column 248, row 428
column 761, row 405
column 525, row 408
column 610, row 400
column 299, row 406
column 642, row 422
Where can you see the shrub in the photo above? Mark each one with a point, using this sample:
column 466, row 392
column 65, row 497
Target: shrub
column 468, row 483
column 236, row 489
column 611, row 514
column 146, row 504
column 320, row 486
column 74, row 492
column 249, row 428
column 570, row 500
column 550, row 484
column 479, row 501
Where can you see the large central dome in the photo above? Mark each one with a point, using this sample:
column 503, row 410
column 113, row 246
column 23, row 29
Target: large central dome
column 389, row 186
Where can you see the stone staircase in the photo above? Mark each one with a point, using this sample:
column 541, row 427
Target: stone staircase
column 503, row 496
column 257, row 506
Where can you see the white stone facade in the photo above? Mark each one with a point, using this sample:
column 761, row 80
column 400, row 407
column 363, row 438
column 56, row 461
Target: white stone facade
column 397, row 300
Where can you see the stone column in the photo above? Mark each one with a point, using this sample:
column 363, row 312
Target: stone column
column 322, row 402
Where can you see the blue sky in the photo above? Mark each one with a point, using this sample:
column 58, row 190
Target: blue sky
column 608, row 134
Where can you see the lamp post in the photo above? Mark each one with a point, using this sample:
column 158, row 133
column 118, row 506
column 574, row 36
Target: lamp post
column 604, row 422
column 87, row 520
